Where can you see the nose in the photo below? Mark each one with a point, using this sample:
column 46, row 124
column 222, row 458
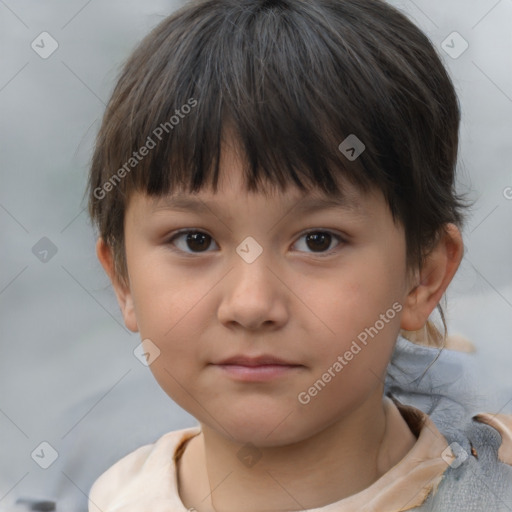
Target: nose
column 254, row 296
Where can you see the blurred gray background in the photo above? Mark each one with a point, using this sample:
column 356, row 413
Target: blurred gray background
column 68, row 375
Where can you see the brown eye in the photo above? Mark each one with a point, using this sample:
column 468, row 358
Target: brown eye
column 191, row 241
column 319, row 242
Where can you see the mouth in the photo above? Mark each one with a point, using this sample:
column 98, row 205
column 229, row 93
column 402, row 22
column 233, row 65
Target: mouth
column 255, row 361
column 257, row 372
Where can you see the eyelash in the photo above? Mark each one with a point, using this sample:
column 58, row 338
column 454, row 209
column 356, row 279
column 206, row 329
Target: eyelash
column 177, row 234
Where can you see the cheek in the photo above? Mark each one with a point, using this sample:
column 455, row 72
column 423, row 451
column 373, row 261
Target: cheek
column 360, row 317
column 352, row 300
column 162, row 294
column 169, row 312
column 174, row 320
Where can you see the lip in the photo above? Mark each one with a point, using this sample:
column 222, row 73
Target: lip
column 256, row 368
column 262, row 360
column 257, row 373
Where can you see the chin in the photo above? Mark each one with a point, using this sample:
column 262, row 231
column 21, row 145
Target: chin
column 265, row 433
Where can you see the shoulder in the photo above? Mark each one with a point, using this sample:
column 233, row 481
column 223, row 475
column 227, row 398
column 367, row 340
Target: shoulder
column 113, row 479
column 130, row 471
column 479, row 476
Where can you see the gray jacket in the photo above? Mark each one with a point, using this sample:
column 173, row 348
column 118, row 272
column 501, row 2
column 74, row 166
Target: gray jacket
column 448, row 392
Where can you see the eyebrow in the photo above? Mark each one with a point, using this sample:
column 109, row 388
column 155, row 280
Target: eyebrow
column 306, row 205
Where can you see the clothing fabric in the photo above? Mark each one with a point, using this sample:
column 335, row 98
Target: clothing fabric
column 461, row 461
column 446, row 387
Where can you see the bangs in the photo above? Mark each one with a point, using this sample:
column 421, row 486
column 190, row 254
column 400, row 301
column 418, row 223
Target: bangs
column 251, row 78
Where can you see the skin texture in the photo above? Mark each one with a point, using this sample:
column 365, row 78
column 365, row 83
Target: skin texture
column 203, row 306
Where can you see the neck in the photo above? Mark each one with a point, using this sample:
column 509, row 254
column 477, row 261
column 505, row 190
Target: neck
column 341, row 460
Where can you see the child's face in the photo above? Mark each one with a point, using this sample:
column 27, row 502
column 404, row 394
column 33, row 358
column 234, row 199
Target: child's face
column 206, row 301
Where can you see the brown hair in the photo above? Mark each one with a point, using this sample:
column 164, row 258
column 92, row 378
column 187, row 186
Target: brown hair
column 291, row 79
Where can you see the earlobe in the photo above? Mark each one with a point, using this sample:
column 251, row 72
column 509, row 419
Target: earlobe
column 122, row 291
column 437, row 273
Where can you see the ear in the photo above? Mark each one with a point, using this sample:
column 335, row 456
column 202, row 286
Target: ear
column 437, row 273
column 123, row 293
